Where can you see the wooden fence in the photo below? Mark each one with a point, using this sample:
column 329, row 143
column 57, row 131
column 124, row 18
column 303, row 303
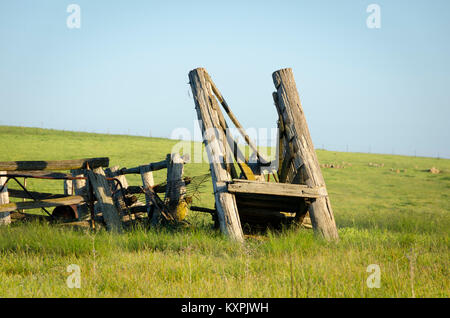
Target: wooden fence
column 93, row 194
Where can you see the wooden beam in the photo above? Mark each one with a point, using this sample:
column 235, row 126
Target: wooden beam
column 154, row 166
column 204, row 210
column 286, row 170
column 13, row 193
column 275, row 189
column 307, row 169
column 47, row 203
column 233, row 118
column 104, row 203
column 54, row 165
column 37, row 174
column 5, row 217
column 213, row 138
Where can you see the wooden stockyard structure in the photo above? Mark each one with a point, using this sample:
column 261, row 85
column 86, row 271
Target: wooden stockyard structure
column 95, row 196
column 247, row 198
column 244, row 201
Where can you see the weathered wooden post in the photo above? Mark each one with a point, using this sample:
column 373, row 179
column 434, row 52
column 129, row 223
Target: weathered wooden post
column 68, row 187
column 176, row 187
column 105, row 202
column 213, row 139
column 302, row 154
column 114, row 172
column 117, row 197
column 148, row 182
column 79, row 188
column 5, row 217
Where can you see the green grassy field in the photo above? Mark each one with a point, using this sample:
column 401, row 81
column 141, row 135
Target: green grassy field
column 385, row 216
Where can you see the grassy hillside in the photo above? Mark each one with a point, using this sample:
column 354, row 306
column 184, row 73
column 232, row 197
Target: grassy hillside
column 387, row 208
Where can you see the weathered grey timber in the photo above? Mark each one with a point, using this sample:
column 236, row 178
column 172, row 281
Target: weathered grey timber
column 46, row 203
column 79, row 188
column 176, row 187
column 104, row 203
column 302, row 153
column 273, row 189
column 54, row 165
column 213, row 139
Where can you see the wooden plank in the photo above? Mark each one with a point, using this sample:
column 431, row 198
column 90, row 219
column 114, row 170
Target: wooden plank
column 307, row 169
column 234, row 149
column 5, row 217
column 47, row 203
column 37, row 174
column 13, row 193
column 204, row 210
column 213, row 138
column 155, row 166
column 23, row 216
column 104, row 203
column 54, row 165
column 275, row 189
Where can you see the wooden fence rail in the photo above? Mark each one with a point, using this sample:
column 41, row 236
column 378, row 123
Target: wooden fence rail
column 46, row 203
column 54, row 165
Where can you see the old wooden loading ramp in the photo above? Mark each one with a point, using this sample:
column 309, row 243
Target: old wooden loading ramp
column 247, row 198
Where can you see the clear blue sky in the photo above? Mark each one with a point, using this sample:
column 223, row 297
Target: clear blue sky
column 125, row 70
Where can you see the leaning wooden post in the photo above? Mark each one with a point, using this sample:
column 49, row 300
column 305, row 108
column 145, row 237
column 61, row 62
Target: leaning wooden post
column 105, row 202
column 5, row 217
column 213, row 138
column 304, row 156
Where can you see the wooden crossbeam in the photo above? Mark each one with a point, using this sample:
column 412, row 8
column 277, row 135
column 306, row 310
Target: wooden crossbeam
column 150, row 167
column 38, row 174
column 54, row 165
column 233, row 118
column 13, row 193
column 47, row 203
column 273, row 189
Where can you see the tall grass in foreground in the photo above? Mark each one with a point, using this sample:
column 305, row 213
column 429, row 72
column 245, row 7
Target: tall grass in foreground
column 397, row 220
